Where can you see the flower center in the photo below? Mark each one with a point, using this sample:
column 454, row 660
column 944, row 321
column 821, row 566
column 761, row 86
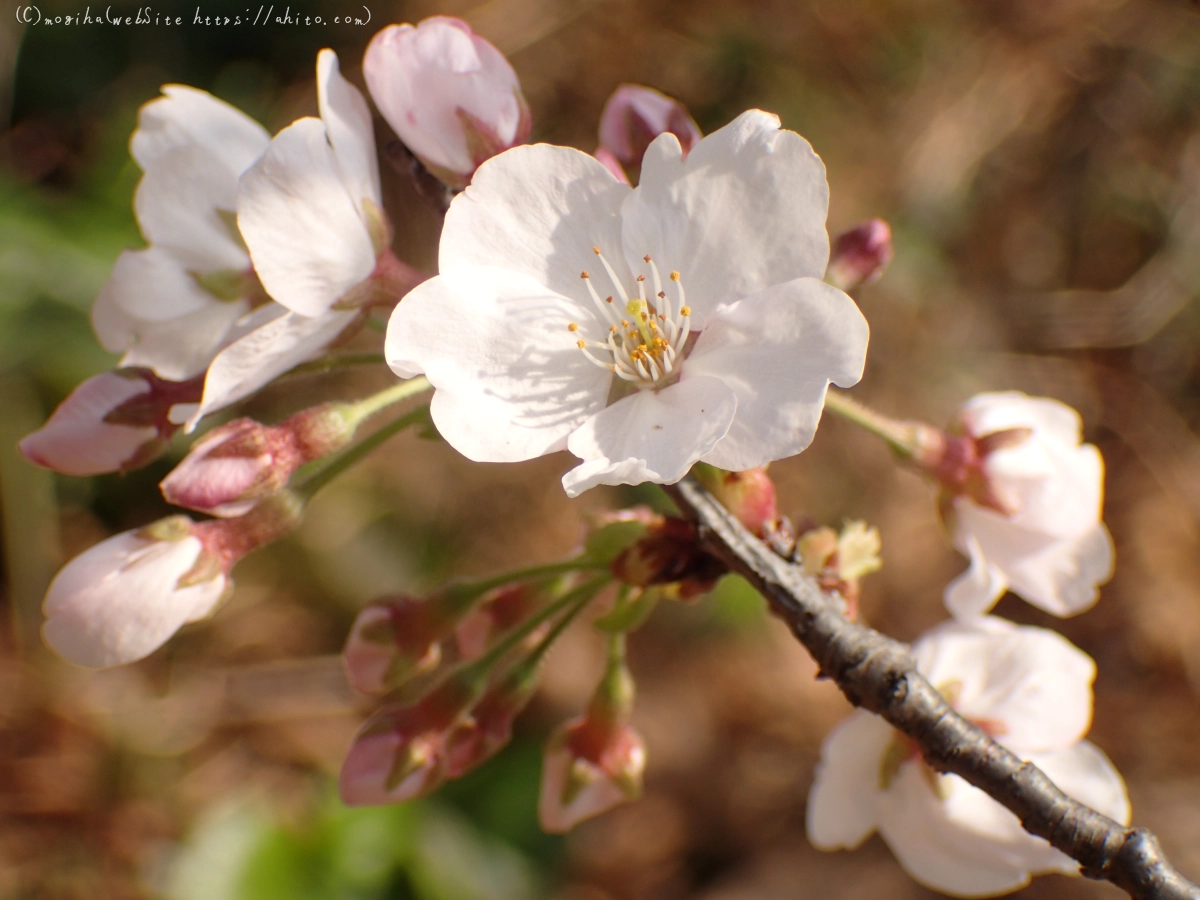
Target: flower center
column 646, row 336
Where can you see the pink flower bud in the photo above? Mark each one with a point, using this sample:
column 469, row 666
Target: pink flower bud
column 612, row 164
column 392, row 641
column 122, row 599
column 488, row 729
column 749, row 496
column 449, row 95
column 113, row 422
column 635, row 115
column 237, row 464
column 399, row 753
column 860, row 255
column 586, row 772
column 499, row 611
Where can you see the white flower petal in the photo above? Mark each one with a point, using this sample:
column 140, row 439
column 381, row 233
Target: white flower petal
column 154, row 286
column 348, row 122
column 1001, row 410
column 539, row 210
column 651, row 436
column 1085, row 773
column 305, row 233
column 188, row 117
column 967, row 845
column 841, row 802
column 176, row 205
column 1060, row 576
column 511, row 382
column 976, row 590
column 1032, row 685
column 120, row 600
column 744, row 211
column 778, row 350
column 178, row 348
column 252, row 361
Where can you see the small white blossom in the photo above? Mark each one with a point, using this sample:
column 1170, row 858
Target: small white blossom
column 171, row 306
column 699, row 329
column 1027, row 687
column 1042, row 536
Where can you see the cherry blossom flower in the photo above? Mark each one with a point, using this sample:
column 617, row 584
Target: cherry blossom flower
column 622, row 367
column 113, row 422
column 635, row 115
column 310, row 211
column 122, row 599
column 1027, row 687
column 171, row 306
column 449, row 95
column 1026, row 501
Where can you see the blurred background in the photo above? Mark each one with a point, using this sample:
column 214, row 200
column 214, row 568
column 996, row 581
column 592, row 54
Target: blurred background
column 1039, row 161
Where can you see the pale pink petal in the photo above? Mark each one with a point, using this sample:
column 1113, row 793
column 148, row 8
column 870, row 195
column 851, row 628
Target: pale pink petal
column 305, row 233
column 77, row 441
column 120, row 600
column 976, row 590
column 155, row 286
column 651, row 435
column 189, row 117
column 511, row 382
column 778, row 350
column 841, row 802
column 539, row 211
column 1030, row 685
column 348, row 122
column 744, row 211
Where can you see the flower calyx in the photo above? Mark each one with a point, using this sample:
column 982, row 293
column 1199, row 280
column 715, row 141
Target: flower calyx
column 669, row 554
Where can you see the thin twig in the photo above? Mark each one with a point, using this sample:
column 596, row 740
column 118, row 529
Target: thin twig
column 880, row 675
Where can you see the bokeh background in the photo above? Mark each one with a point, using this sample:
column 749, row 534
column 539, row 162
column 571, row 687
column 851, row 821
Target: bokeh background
column 1039, row 161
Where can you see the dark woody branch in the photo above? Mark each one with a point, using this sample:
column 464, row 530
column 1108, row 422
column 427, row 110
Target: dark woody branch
column 879, row 674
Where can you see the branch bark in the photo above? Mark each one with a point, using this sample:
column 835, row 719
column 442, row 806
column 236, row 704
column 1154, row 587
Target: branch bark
column 880, row 675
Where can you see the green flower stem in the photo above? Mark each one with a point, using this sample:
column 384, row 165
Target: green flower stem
column 356, row 412
column 578, row 598
column 528, row 667
column 909, row 439
column 344, row 361
column 339, row 464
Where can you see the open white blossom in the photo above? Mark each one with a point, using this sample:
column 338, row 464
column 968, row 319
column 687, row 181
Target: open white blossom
column 1027, row 687
column 171, row 306
column 1052, row 549
column 699, row 329
column 122, row 599
column 310, row 211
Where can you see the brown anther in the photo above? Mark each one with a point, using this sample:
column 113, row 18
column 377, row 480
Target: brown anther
column 646, row 258
column 584, row 274
column 662, row 295
column 608, row 299
column 645, row 318
column 596, row 250
column 641, row 278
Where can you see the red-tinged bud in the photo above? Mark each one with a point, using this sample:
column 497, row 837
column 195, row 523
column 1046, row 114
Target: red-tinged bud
column 749, row 496
column 583, row 777
column 958, row 459
column 669, row 553
column 113, row 422
column 488, row 728
column 635, row 115
column 860, row 255
column 400, row 752
column 497, row 612
column 234, row 466
column 396, row 639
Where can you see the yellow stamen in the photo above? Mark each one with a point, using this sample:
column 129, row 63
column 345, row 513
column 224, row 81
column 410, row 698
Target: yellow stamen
column 572, row 327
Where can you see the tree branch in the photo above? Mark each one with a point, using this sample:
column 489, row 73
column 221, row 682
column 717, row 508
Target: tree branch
column 880, row 675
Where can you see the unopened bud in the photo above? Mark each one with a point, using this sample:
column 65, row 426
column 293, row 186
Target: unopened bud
column 390, row 643
column 488, row 728
column 236, row 465
column 579, row 783
column 860, row 255
column 749, row 496
column 635, row 115
column 113, row 422
column 611, row 163
column 449, row 95
column 498, row 611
